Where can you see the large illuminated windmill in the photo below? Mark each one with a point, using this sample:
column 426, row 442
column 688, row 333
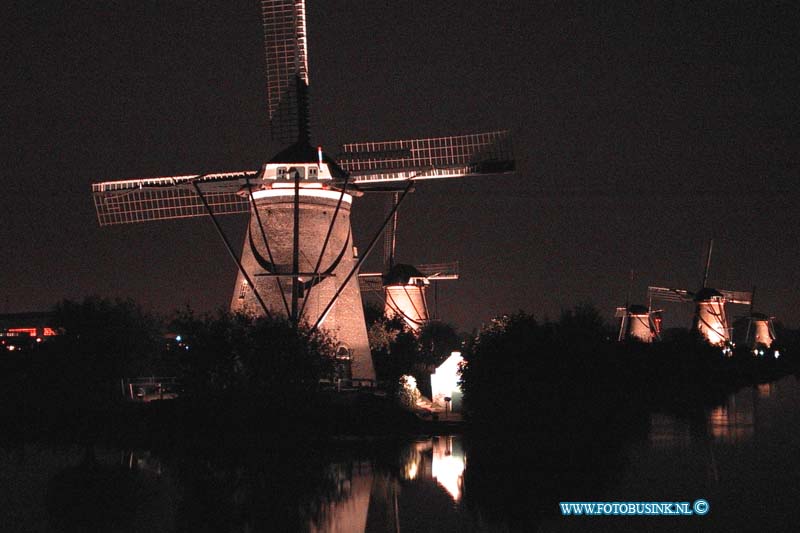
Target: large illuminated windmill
column 298, row 258
column 710, row 318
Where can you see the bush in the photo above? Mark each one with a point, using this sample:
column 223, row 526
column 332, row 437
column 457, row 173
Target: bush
column 263, row 361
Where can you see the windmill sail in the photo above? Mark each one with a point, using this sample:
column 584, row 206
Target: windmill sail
column 286, row 53
column 665, row 294
column 370, row 282
column 144, row 199
column 439, row 271
column 378, row 163
column 737, row 297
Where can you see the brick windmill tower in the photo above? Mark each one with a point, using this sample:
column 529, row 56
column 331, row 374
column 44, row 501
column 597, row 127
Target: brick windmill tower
column 636, row 322
column 298, row 258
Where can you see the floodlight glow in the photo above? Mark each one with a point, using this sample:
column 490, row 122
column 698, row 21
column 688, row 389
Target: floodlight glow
column 761, row 333
column 411, row 470
column 712, row 322
column 445, row 380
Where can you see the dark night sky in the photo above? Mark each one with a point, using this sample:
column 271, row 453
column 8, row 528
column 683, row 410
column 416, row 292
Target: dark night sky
column 640, row 130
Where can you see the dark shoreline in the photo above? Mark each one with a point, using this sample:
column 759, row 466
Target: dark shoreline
column 344, row 416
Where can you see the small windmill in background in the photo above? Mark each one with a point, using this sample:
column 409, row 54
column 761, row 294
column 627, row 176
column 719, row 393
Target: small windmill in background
column 710, row 318
column 758, row 336
column 637, row 322
column 403, row 288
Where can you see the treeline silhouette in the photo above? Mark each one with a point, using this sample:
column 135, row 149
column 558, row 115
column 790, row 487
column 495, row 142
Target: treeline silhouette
column 236, row 372
column 556, row 368
column 521, row 374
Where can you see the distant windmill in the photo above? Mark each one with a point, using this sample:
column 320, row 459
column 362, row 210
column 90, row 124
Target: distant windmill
column 298, row 258
column 759, row 334
column 637, row 322
column 710, row 319
column 404, row 288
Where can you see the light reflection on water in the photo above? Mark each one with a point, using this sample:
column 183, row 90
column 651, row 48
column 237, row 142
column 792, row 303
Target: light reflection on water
column 733, row 422
column 350, row 512
column 440, row 458
column 83, row 489
column 373, row 499
column 740, row 456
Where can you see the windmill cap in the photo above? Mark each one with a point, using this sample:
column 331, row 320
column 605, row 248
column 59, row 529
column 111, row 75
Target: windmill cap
column 707, row 294
column 400, row 274
column 636, row 309
column 305, row 153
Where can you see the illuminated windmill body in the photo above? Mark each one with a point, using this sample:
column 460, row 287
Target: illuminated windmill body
column 404, row 288
column 298, row 258
column 638, row 323
column 758, row 335
column 760, row 331
column 710, row 318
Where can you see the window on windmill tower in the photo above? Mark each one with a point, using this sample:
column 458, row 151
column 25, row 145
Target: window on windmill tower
column 343, row 352
column 312, row 172
column 280, row 173
column 243, row 291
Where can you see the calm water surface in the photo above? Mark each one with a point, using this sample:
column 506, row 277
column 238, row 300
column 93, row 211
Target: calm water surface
column 742, row 457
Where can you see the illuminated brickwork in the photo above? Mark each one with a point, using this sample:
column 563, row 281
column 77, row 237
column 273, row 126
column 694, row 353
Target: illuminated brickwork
column 345, row 319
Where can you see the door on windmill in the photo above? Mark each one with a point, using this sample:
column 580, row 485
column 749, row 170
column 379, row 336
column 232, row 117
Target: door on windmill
column 342, row 369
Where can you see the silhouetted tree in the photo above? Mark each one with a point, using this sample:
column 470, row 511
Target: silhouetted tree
column 373, row 313
column 267, row 361
column 102, row 340
column 437, row 340
column 582, row 328
column 506, row 364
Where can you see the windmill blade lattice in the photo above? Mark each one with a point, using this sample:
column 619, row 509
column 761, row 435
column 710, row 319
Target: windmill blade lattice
column 378, row 163
column 439, row 271
column 665, row 294
column 370, row 282
column 286, row 52
column 145, row 199
column 737, row 297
